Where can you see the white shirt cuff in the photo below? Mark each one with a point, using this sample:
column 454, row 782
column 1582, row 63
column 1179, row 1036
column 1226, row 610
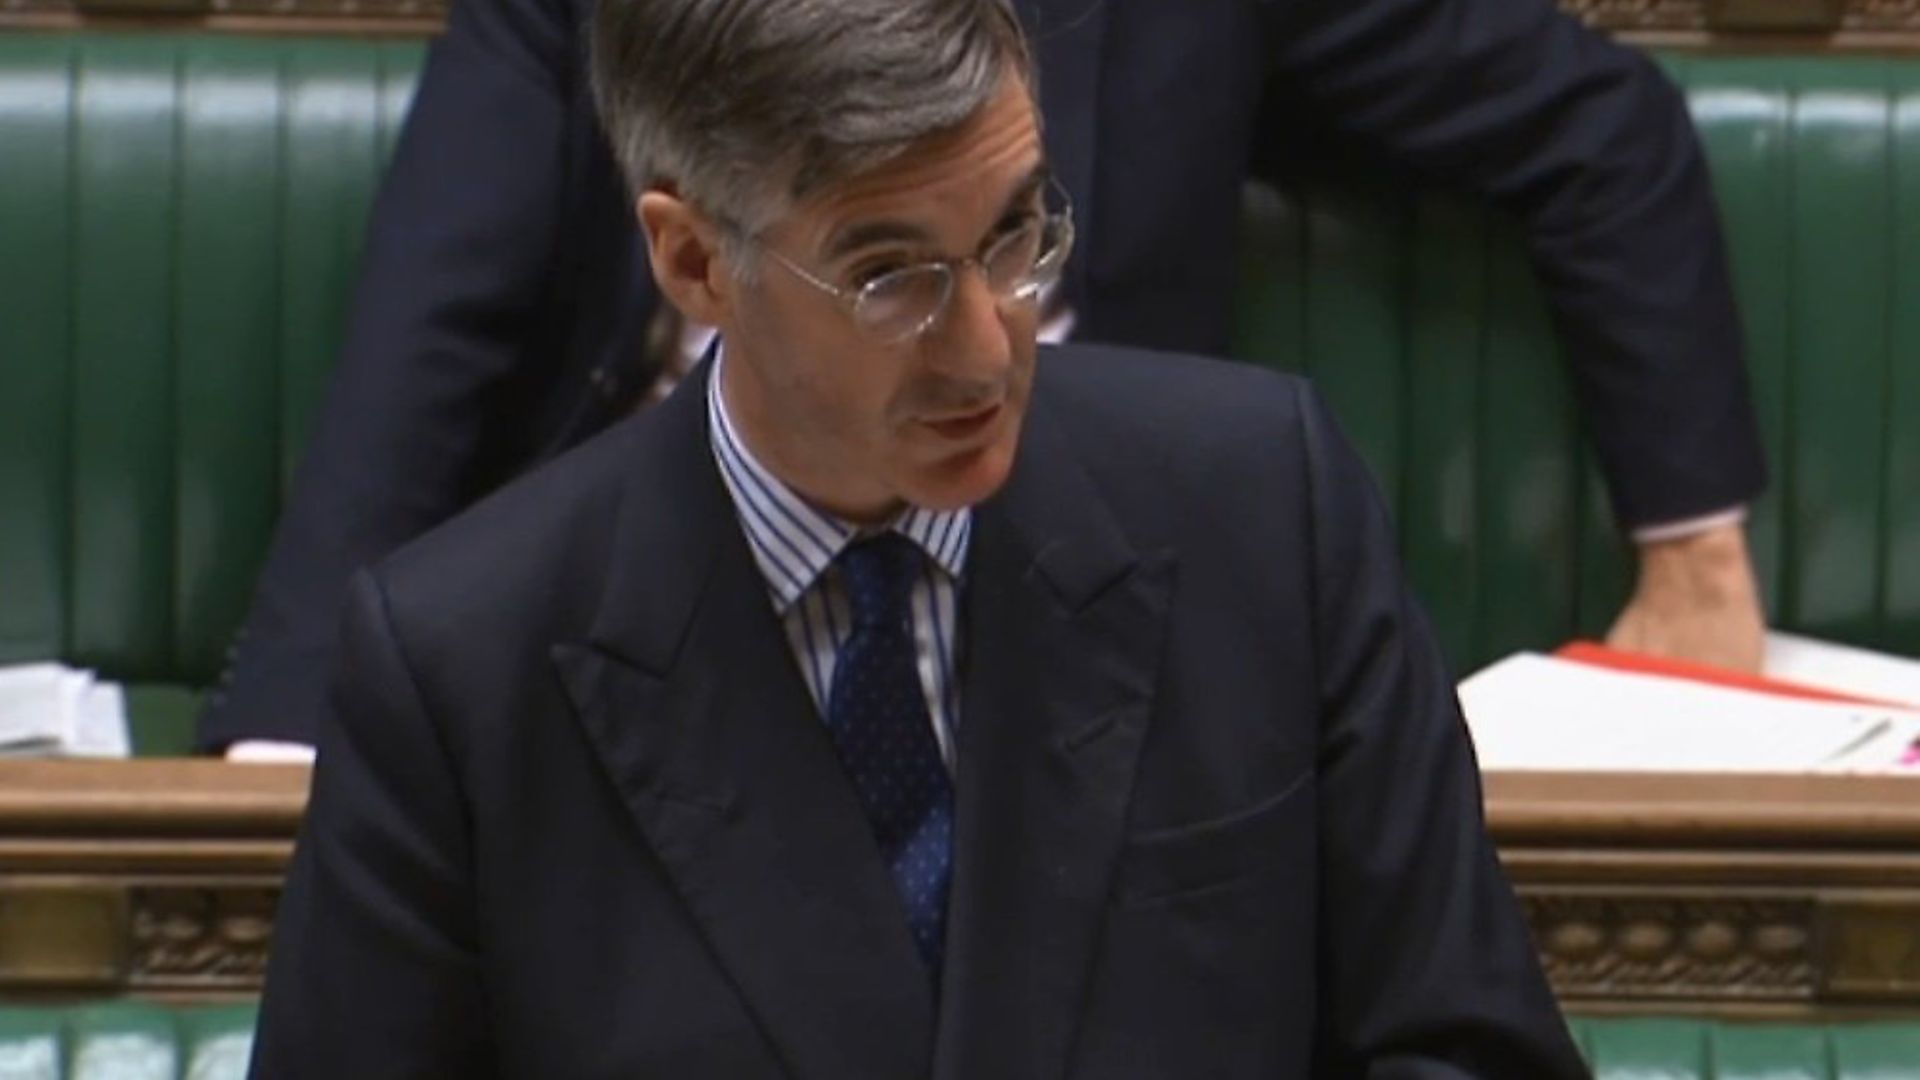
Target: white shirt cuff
column 1693, row 526
column 270, row 752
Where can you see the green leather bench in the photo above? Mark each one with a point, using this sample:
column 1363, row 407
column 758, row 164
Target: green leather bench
column 1421, row 322
column 140, row 1042
column 181, row 219
column 1686, row 1050
column 126, row 1041
column 182, row 214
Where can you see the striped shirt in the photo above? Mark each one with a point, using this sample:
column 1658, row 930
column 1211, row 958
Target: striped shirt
column 795, row 545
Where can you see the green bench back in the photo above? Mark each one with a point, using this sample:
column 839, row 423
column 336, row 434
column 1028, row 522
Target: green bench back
column 129, row 1041
column 126, row 1041
column 182, row 220
column 1420, row 319
column 181, row 215
column 1665, row 1049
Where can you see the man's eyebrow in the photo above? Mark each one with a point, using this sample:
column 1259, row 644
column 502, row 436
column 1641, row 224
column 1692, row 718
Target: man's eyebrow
column 1028, row 188
column 869, row 233
column 887, row 231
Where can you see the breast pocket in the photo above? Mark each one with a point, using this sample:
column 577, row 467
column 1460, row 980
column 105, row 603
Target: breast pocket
column 1208, row 950
column 1188, row 862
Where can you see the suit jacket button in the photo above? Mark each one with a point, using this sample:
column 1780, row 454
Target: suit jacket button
column 605, row 381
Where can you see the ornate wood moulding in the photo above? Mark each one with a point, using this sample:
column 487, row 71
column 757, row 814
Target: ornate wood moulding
column 1873, row 24
column 1717, row 895
column 153, row 878
column 1703, row 16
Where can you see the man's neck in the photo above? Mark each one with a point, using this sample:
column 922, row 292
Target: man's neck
column 738, row 397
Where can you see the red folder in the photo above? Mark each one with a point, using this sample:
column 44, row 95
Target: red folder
column 1592, row 652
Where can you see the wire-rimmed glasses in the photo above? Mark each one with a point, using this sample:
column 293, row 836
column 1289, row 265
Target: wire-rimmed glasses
column 1019, row 266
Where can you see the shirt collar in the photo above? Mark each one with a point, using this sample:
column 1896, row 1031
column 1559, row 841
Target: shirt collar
column 794, row 542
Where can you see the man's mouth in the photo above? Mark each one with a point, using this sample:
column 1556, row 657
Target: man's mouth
column 964, row 425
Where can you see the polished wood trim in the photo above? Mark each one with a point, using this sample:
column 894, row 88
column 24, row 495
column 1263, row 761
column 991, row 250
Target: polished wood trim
column 149, row 854
column 1717, row 894
column 1767, row 867
column 154, row 878
column 1712, row 895
column 1665, row 810
column 170, row 798
column 175, row 797
column 245, row 25
column 1755, row 1012
column 1748, row 16
column 1891, row 26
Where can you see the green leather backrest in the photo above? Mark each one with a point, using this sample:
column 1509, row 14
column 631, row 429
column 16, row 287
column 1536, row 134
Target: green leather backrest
column 180, row 221
column 133, row 1041
column 126, row 1041
column 180, row 217
column 1673, row 1049
column 1419, row 317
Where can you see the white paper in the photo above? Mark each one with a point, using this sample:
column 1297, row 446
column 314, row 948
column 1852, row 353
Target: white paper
column 1538, row 712
column 49, row 710
column 33, row 707
column 100, row 728
column 1843, row 669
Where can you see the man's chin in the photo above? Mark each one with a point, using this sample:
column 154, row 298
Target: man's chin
column 964, row 479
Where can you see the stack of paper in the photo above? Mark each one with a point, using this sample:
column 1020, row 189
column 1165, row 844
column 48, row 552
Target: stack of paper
column 49, row 710
column 1841, row 710
column 1848, row 670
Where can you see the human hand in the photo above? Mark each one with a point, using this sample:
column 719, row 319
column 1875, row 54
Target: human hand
column 1696, row 600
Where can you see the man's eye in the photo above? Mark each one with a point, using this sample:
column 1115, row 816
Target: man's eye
column 1016, row 221
column 1023, row 218
column 867, row 273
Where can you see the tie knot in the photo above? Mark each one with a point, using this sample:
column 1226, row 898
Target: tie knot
column 879, row 573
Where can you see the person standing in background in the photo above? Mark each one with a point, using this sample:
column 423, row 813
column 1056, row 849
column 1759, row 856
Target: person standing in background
column 505, row 296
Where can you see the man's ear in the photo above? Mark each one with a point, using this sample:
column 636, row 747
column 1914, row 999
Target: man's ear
column 688, row 264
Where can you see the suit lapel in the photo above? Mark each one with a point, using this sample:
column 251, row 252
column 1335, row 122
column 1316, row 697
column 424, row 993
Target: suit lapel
column 1067, row 37
column 1065, row 624
column 689, row 694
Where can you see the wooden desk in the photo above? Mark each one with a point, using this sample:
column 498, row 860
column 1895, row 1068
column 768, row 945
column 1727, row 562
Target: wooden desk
column 1739, row 896
column 1774, row 896
column 155, row 878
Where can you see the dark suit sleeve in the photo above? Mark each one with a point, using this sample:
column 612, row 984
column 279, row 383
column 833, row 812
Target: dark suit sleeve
column 1593, row 147
column 458, row 251
column 1427, row 969
column 374, row 970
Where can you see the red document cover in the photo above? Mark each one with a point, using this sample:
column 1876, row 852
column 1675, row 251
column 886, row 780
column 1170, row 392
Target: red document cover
column 1592, row 652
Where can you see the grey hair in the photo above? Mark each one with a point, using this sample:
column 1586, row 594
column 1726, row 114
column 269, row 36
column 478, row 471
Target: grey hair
column 746, row 107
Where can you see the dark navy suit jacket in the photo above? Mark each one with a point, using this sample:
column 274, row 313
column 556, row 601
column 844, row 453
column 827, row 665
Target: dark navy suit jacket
column 505, row 294
column 575, row 814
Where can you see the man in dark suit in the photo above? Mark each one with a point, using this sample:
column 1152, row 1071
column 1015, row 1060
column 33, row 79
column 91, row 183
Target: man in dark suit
column 897, row 699
column 505, row 298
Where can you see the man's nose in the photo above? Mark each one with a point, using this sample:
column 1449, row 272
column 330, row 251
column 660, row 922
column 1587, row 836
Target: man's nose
column 975, row 338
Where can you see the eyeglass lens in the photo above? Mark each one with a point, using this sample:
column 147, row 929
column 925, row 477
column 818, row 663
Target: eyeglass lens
column 1018, row 267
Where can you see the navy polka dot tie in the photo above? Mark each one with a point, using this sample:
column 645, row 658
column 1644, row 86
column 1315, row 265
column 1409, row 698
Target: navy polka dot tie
column 877, row 713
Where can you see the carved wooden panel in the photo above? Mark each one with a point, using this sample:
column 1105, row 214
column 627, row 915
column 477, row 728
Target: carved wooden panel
column 1707, row 946
column 339, row 9
column 405, row 10
column 201, row 937
column 1748, row 16
column 1717, row 894
column 1640, row 14
column 1872, row 947
column 1812, row 24
column 1882, row 16
column 35, row 7
column 156, row 878
column 61, row 934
